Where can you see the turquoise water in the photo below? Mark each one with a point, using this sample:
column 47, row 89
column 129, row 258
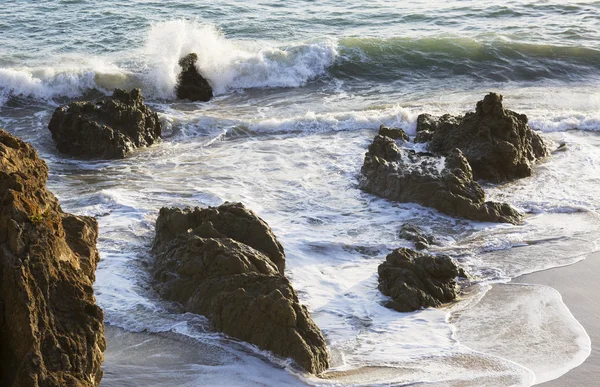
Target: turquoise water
column 301, row 88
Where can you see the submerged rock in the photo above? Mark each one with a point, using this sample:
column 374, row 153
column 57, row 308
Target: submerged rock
column 443, row 183
column 416, row 234
column 415, row 280
column 190, row 84
column 108, row 128
column 497, row 142
column 51, row 330
column 225, row 263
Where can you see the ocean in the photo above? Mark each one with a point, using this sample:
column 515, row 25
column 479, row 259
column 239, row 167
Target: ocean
column 301, row 88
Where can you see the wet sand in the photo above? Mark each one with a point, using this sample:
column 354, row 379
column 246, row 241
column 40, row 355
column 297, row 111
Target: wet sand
column 577, row 284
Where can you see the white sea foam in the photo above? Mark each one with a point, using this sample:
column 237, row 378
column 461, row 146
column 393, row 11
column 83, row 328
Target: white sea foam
column 71, row 78
column 528, row 324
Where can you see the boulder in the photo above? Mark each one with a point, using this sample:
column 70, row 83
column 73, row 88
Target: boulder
column 51, row 330
column 230, row 220
column 190, row 84
column 415, row 280
column 416, row 234
column 497, row 142
column 395, row 133
column 226, row 264
column 443, row 183
column 107, row 128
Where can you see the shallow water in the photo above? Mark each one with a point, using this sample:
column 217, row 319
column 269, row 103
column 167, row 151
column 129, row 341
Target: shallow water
column 301, row 89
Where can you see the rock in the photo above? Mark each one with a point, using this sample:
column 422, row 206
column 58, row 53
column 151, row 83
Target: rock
column 226, row 264
column 230, row 220
column 51, row 330
column 423, row 136
column 415, row 280
column 443, row 183
column 107, row 128
column 190, row 84
column 497, row 142
column 413, row 233
column 395, row 133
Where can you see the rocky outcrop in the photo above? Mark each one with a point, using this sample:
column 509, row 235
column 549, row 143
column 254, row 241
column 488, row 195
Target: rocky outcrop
column 497, row 142
column 231, row 220
column 395, row 133
column 415, row 280
column 51, row 330
column 225, row 263
column 190, row 84
column 107, row 128
column 443, row 183
column 416, row 234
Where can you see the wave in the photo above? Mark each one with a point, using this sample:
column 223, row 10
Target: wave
column 234, row 64
column 230, row 64
column 497, row 60
column 205, row 123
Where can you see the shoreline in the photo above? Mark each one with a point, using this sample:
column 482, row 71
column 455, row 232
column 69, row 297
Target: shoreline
column 576, row 284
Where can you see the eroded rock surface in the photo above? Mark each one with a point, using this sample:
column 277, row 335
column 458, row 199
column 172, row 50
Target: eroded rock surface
column 443, row 183
column 415, row 280
column 395, row 133
column 107, row 128
column 51, row 330
column 415, row 234
column 190, row 84
column 225, row 263
column 497, row 142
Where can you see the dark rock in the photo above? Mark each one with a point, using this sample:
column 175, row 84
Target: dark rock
column 226, row 264
column 415, row 280
column 51, row 330
column 497, row 142
column 395, row 133
column 423, row 136
column 445, row 184
column 108, row 128
column 413, row 233
column 229, row 220
column 190, row 84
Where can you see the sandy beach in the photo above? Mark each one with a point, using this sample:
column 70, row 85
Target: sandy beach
column 577, row 284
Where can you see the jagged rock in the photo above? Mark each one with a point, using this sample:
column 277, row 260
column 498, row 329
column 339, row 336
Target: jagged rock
column 497, row 142
column 51, row 330
column 415, row 280
column 108, row 128
column 395, row 133
column 225, row 263
column 190, row 84
column 444, row 183
column 423, row 136
column 413, row 233
column 230, row 220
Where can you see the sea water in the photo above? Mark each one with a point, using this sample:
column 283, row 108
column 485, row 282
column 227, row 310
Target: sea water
column 300, row 90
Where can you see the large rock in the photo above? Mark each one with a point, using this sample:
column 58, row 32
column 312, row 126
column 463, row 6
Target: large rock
column 107, row 128
column 51, row 330
column 497, row 142
column 190, row 84
column 226, row 264
column 415, row 280
column 444, row 183
column 230, row 220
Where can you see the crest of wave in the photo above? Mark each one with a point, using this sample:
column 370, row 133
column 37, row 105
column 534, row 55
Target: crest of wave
column 231, row 64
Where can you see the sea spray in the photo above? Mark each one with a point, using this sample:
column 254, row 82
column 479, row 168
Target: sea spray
column 231, row 64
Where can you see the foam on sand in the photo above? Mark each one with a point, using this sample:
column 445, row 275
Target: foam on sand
column 527, row 324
